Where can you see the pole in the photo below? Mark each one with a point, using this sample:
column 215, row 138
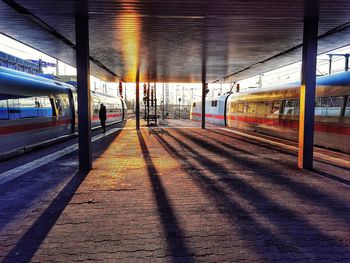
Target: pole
column 83, row 83
column 155, row 103
column 347, row 62
column 124, row 93
column 163, row 100
column 203, row 103
column 57, row 69
column 148, row 91
column 204, row 76
column 330, row 64
column 183, row 97
column 191, row 94
column 307, row 93
column 155, row 98
column 176, row 94
column 137, row 108
column 40, row 66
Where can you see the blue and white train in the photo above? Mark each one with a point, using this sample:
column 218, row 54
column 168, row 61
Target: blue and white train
column 34, row 109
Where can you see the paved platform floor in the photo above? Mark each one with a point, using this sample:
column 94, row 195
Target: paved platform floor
column 189, row 195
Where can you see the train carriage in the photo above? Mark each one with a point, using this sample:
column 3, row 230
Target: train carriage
column 35, row 109
column 114, row 108
column 275, row 111
column 215, row 109
column 32, row 109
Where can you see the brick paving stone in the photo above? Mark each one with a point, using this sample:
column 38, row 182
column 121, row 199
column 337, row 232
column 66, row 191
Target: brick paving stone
column 188, row 195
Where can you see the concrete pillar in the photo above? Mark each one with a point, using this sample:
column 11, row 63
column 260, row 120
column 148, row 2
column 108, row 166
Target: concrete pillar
column 83, row 83
column 204, row 86
column 203, row 103
column 307, row 93
column 137, row 99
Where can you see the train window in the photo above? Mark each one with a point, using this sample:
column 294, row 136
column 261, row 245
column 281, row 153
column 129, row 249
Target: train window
column 328, row 106
column 14, row 110
column 96, row 107
column 237, row 107
column 44, row 107
column 115, row 108
column 28, row 107
column 111, row 107
column 251, row 107
column 347, row 107
column 214, row 103
column 4, row 111
column 276, row 107
column 291, row 107
column 263, row 107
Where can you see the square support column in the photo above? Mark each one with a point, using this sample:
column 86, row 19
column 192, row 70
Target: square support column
column 204, row 85
column 307, row 93
column 83, row 83
column 137, row 99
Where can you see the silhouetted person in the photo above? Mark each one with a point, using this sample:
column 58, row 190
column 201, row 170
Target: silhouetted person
column 103, row 116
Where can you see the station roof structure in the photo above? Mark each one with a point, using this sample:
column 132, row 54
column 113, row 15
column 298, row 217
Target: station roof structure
column 171, row 40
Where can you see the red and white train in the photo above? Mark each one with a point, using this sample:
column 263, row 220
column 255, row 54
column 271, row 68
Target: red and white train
column 275, row 111
column 34, row 109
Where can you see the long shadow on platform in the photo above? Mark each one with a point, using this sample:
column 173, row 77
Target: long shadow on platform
column 343, row 167
column 31, row 240
column 237, row 149
column 230, row 146
column 37, row 183
column 274, row 148
column 174, row 234
column 220, row 189
column 27, row 246
column 246, row 225
column 255, row 142
column 331, row 177
column 276, row 177
column 284, row 161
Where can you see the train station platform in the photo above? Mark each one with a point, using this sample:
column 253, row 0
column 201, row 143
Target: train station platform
column 178, row 194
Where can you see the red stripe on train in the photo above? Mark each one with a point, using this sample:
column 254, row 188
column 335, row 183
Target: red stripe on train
column 42, row 125
column 33, row 126
column 108, row 116
column 293, row 124
column 211, row 116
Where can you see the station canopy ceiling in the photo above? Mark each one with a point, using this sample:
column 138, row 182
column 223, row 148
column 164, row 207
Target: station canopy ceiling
column 171, row 40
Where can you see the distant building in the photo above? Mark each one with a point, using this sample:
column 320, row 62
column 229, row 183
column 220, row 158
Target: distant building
column 12, row 62
column 67, row 78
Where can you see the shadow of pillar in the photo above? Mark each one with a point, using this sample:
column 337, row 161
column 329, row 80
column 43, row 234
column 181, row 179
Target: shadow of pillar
column 173, row 232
